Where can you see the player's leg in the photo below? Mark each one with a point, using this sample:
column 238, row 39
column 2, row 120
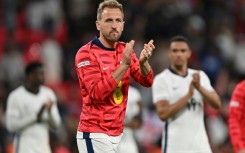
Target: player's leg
column 85, row 146
column 102, row 145
column 98, row 145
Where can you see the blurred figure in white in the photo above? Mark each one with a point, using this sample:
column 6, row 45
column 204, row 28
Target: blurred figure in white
column 132, row 121
column 12, row 65
column 44, row 14
column 52, row 56
column 31, row 110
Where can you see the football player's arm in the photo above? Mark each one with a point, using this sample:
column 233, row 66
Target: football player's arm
column 15, row 121
column 135, row 72
column 101, row 86
column 126, row 62
column 54, row 116
column 165, row 110
column 145, row 55
column 235, row 119
column 209, row 96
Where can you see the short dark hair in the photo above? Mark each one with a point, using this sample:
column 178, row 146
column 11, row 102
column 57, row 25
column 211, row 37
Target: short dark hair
column 32, row 67
column 180, row 38
column 108, row 4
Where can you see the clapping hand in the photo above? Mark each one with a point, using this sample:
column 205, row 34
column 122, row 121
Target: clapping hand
column 146, row 52
column 46, row 106
column 196, row 80
column 126, row 59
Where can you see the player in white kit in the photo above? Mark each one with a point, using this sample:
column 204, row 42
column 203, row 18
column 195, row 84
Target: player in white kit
column 179, row 94
column 132, row 121
column 31, row 110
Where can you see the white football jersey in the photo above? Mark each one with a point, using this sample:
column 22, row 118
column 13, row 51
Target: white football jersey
column 185, row 132
column 21, row 118
column 128, row 143
column 132, row 105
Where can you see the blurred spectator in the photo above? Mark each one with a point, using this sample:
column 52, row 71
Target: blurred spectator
column 52, row 59
column 12, row 65
column 44, row 15
column 132, row 121
column 10, row 10
column 240, row 56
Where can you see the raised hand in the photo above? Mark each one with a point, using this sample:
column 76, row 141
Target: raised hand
column 241, row 151
column 126, row 58
column 191, row 90
column 196, row 80
column 48, row 105
column 146, row 52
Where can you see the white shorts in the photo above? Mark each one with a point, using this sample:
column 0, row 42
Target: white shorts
column 97, row 143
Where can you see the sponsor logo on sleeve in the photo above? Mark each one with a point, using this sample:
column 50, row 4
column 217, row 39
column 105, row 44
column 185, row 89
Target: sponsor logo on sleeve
column 84, row 63
column 234, row 104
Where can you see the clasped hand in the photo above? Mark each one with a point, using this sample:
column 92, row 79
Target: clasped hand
column 144, row 55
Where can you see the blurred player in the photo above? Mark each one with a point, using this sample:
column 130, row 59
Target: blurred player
column 237, row 118
column 132, row 121
column 179, row 94
column 31, row 110
column 104, row 66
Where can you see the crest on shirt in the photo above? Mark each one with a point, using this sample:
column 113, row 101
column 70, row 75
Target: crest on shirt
column 84, row 63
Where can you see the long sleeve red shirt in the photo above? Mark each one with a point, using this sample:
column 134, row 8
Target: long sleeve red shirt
column 104, row 101
column 237, row 117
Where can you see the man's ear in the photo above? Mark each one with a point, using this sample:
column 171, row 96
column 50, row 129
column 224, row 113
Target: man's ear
column 97, row 25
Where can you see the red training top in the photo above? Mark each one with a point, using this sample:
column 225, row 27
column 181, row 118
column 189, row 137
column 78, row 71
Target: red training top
column 237, row 117
column 103, row 100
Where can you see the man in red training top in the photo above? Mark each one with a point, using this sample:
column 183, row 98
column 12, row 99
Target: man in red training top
column 104, row 67
column 237, row 118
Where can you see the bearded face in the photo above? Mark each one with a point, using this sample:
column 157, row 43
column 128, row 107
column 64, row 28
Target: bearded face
column 111, row 24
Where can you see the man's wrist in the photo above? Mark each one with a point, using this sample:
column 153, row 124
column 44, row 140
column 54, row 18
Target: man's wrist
column 124, row 66
column 241, row 151
column 198, row 87
column 143, row 63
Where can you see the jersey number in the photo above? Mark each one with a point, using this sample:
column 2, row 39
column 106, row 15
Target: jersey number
column 192, row 104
